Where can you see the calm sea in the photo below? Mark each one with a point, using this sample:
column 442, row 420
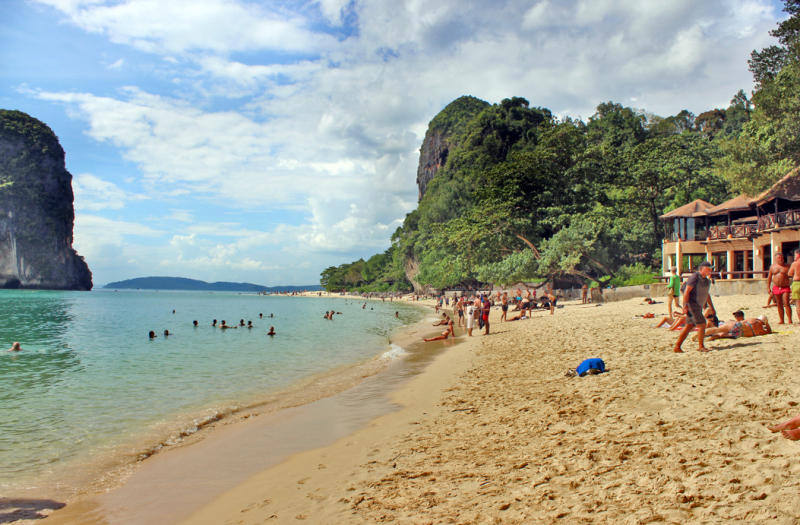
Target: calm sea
column 90, row 386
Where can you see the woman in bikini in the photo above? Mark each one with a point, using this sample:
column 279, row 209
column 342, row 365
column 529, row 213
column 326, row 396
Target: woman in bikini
column 742, row 327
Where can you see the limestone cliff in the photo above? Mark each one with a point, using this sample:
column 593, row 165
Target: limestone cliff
column 36, row 209
column 443, row 134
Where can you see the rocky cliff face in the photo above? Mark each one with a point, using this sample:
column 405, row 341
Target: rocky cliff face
column 432, row 156
column 36, row 209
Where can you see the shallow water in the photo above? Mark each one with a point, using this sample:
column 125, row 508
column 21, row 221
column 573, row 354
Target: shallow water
column 90, row 384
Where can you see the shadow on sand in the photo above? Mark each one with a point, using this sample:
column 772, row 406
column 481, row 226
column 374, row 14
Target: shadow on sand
column 15, row 509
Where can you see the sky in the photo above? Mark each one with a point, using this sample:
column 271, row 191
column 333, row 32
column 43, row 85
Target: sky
column 263, row 142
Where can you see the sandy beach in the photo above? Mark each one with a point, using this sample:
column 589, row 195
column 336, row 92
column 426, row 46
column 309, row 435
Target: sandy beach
column 493, row 432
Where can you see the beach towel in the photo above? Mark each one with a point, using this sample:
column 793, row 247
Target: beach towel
column 591, row 364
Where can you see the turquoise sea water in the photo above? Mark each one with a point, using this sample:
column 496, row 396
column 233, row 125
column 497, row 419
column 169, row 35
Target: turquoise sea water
column 90, row 383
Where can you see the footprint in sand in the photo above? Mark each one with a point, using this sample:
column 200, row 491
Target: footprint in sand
column 303, row 481
column 257, row 505
column 322, row 466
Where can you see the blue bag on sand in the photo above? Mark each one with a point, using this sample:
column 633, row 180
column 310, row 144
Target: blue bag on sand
column 591, row 364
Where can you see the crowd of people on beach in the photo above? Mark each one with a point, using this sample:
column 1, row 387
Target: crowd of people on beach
column 698, row 312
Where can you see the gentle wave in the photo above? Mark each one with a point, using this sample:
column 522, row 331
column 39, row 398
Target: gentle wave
column 394, row 352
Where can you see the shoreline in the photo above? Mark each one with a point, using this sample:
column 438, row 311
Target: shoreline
column 493, row 431
column 297, row 398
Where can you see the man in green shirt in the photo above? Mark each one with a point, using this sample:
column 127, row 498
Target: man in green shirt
column 673, row 291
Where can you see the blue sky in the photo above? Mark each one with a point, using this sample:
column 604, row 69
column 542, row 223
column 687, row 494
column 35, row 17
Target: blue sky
column 264, row 141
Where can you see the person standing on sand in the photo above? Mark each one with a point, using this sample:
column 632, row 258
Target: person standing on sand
column 695, row 298
column 584, row 292
column 470, row 318
column 486, row 308
column 673, row 290
column 794, row 273
column 778, row 283
column 504, row 307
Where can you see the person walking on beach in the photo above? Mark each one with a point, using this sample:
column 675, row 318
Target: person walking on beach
column 486, row 308
column 778, row 282
column 695, row 298
column 794, row 273
column 673, row 291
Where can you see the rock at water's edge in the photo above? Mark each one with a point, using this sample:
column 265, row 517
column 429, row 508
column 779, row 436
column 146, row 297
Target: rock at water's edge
column 36, row 209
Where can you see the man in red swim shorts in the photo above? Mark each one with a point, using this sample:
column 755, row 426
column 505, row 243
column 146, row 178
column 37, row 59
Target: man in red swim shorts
column 779, row 283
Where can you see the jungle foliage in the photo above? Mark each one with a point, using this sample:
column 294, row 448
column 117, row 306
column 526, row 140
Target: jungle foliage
column 526, row 195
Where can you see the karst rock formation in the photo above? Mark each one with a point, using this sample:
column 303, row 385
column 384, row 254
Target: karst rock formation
column 36, row 209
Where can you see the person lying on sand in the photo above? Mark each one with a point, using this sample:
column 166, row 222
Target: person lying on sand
column 741, row 327
column 444, row 335
column 674, row 323
column 649, row 301
column 789, row 428
column 443, row 321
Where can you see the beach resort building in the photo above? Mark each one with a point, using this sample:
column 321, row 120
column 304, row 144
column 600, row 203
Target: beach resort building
column 739, row 237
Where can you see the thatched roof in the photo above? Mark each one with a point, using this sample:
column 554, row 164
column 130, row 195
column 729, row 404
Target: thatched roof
column 787, row 188
column 740, row 203
column 698, row 208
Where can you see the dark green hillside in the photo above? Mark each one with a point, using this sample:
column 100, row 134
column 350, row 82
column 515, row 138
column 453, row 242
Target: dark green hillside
column 181, row 283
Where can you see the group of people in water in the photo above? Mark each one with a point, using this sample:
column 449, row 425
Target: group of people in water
column 222, row 325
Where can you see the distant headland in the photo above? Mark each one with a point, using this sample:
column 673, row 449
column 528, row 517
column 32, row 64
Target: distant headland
column 181, row 283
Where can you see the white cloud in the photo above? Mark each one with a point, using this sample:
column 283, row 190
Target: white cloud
column 331, row 127
column 93, row 193
column 180, row 26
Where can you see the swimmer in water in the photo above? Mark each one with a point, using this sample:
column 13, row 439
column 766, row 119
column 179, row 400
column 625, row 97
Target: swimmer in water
column 241, row 322
column 152, row 334
column 16, row 348
column 194, row 323
column 173, row 311
column 249, row 324
column 261, row 315
column 271, row 330
column 214, row 324
column 397, row 314
column 270, row 315
column 226, row 326
column 166, row 333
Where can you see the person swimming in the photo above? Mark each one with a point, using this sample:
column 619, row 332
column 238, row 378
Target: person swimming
column 16, row 348
column 166, row 333
column 260, row 315
column 194, row 323
column 270, row 315
column 214, row 324
column 397, row 314
column 241, row 322
column 152, row 334
column 271, row 330
column 249, row 324
column 226, row 326
column 173, row 311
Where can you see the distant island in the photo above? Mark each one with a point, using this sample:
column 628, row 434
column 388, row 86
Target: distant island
column 181, row 283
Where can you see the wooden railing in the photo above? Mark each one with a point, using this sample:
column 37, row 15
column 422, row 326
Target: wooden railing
column 784, row 218
column 739, row 231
